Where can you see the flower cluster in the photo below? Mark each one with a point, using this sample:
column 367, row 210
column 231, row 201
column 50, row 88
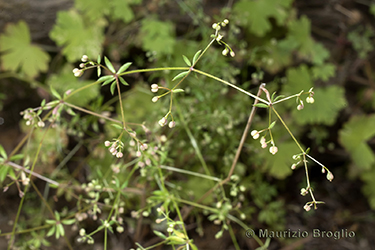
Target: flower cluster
column 309, row 99
column 32, row 118
column 218, row 37
column 115, row 148
column 256, row 134
column 79, row 72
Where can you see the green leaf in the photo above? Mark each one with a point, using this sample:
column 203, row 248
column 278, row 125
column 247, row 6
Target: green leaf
column 187, row 61
column 261, row 105
column 123, row 81
column 181, row 75
column 328, row 102
column 278, row 165
column 93, row 9
column 159, row 234
column 353, row 137
column 3, row 172
column 368, row 188
column 157, row 36
column 68, row 222
column 121, row 9
column 109, row 65
column 19, row 54
column 298, row 79
column 113, row 87
column 51, row 231
column 117, row 126
column 272, row 125
column 323, row 72
column 299, row 34
column 2, row 152
column 124, row 67
column 196, row 56
column 105, row 78
column 256, row 14
column 54, row 92
column 108, row 81
column 178, row 90
column 76, row 37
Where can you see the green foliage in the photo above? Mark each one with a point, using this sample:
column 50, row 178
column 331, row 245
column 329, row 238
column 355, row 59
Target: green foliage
column 297, row 79
column 157, row 36
column 77, row 36
column 116, row 9
column 256, row 14
column 353, row 137
column 362, row 40
column 19, row 54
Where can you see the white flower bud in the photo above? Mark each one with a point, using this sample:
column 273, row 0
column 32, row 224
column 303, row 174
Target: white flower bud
column 329, row 176
column 232, row 54
column 107, row 143
column 163, row 121
column 155, row 99
column 172, row 124
column 84, row 58
column 225, row 52
column 255, row 134
column 273, row 150
column 119, row 154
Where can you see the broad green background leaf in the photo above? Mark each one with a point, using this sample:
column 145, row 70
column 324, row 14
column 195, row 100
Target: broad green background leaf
column 76, row 37
column 157, row 36
column 328, row 102
column 278, row 165
column 298, row 79
column 353, row 137
column 19, row 53
column 300, row 35
column 65, row 80
column 256, row 14
column 94, row 9
column 121, row 9
column 368, row 188
column 323, row 72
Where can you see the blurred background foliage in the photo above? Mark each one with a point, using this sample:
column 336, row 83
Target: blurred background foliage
column 290, row 45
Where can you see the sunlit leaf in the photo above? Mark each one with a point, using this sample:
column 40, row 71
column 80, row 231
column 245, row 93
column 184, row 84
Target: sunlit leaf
column 18, row 54
column 354, row 135
column 76, row 37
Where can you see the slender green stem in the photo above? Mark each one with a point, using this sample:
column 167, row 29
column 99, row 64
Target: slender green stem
column 286, row 127
column 91, row 112
column 232, row 85
column 120, row 100
column 183, row 171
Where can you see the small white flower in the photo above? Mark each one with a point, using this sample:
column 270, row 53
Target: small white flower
column 143, row 146
column 255, row 134
column 310, row 99
column 81, row 65
column 304, row 191
column 172, row 124
column 307, row 207
column 119, row 154
column 82, row 232
column 226, row 21
column 232, row 54
column 273, row 150
column 329, row 176
column 112, row 149
column 264, row 145
column 219, row 37
column 300, row 107
column 84, row 58
column 41, row 124
column 163, row 121
column 155, row 99
column 154, row 88
column 216, row 26
column 138, row 154
column 107, row 143
column 77, row 72
column 225, row 52
column 323, row 170
column 293, row 166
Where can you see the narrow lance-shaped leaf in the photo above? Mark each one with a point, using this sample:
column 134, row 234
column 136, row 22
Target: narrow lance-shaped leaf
column 105, row 78
column 116, row 126
column 272, row 125
column 196, row 56
column 99, row 69
column 54, row 93
column 159, row 234
column 123, row 81
column 182, row 74
column 124, row 67
column 109, row 65
column 261, row 105
column 113, row 87
column 187, row 61
column 2, row 152
column 178, row 90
